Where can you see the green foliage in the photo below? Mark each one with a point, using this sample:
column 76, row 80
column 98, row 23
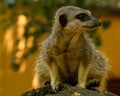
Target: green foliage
column 106, row 24
column 2, row 10
column 96, row 38
column 15, row 67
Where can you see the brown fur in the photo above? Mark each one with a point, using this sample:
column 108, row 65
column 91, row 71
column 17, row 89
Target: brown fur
column 68, row 55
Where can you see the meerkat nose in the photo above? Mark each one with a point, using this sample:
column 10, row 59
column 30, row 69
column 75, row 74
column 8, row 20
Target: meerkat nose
column 99, row 23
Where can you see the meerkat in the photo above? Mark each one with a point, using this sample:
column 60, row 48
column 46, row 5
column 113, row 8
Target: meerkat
column 68, row 55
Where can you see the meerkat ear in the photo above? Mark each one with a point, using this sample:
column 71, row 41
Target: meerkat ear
column 63, row 20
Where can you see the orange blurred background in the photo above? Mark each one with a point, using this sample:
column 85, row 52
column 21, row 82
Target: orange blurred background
column 14, row 83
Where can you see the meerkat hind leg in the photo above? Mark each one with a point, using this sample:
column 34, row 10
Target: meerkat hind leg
column 82, row 74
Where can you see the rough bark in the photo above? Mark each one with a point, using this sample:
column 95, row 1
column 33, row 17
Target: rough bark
column 66, row 91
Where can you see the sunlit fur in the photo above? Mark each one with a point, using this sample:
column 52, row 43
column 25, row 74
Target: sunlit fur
column 68, row 55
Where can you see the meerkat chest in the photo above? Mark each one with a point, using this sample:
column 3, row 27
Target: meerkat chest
column 76, row 51
column 77, row 45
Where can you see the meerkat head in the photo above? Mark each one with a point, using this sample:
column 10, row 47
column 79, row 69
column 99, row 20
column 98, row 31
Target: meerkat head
column 76, row 18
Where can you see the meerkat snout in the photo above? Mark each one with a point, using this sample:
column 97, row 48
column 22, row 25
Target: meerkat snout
column 92, row 24
column 99, row 23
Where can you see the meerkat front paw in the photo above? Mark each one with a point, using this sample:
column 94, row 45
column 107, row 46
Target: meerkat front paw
column 93, row 84
column 56, row 85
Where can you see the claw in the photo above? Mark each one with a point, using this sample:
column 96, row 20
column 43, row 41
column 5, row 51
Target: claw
column 92, row 84
column 56, row 86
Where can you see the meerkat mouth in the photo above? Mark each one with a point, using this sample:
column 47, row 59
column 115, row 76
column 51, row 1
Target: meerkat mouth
column 91, row 27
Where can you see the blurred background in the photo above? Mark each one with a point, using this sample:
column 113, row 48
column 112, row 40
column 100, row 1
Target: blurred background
column 24, row 24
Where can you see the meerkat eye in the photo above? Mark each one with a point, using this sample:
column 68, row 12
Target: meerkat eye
column 83, row 17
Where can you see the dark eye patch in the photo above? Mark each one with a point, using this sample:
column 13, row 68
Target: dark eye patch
column 83, row 17
column 63, row 20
